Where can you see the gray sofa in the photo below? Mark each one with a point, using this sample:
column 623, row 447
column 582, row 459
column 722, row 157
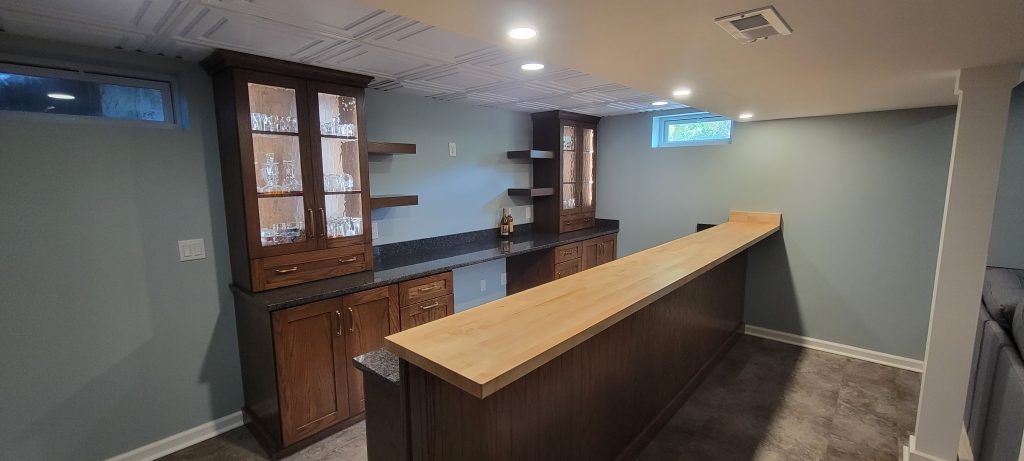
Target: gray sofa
column 994, row 414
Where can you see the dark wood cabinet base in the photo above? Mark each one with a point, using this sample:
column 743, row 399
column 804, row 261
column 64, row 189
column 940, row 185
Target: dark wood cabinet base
column 276, row 452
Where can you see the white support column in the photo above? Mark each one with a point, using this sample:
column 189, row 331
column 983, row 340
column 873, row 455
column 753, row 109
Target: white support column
column 981, row 118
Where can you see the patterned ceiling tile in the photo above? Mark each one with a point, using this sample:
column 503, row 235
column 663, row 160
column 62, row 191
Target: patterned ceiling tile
column 403, row 55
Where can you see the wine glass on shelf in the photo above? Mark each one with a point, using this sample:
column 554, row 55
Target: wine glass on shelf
column 269, row 173
column 290, row 183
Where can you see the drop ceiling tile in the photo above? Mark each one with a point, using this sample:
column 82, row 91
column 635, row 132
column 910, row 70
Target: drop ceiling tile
column 371, row 60
column 141, row 17
column 457, row 78
column 521, row 91
column 226, row 29
column 580, row 81
column 86, row 34
column 424, row 40
column 343, row 19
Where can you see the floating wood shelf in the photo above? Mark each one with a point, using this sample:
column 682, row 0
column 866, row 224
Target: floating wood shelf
column 279, row 194
column 388, row 148
column 535, row 192
column 387, row 201
column 530, row 154
column 274, row 133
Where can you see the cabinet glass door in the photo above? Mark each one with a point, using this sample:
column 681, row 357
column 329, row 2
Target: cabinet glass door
column 278, row 166
column 570, row 168
column 340, row 157
column 587, row 168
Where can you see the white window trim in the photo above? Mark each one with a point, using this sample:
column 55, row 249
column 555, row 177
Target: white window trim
column 659, row 132
column 172, row 115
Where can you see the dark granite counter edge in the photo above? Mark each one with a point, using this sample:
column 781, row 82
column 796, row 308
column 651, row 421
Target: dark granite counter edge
column 296, row 301
column 380, row 362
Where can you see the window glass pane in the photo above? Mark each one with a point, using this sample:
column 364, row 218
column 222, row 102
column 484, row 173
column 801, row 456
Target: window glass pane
column 52, row 95
column 699, row 131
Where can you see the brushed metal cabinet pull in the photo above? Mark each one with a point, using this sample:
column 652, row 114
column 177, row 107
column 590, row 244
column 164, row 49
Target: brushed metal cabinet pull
column 348, row 260
column 285, row 271
column 430, row 287
column 312, row 223
column 340, row 323
column 352, row 315
column 323, row 214
column 436, row 303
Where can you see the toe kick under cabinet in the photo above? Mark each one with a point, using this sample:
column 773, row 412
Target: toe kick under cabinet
column 299, row 381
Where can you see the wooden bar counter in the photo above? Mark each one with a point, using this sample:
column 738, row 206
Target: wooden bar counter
column 587, row 367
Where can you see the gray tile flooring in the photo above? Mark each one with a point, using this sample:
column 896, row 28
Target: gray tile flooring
column 764, row 401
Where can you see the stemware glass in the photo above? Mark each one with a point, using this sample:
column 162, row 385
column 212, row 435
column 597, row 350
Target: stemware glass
column 290, row 183
column 269, row 173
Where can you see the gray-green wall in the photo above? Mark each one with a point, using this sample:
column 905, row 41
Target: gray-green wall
column 1007, row 246
column 861, row 197
column 107, row 342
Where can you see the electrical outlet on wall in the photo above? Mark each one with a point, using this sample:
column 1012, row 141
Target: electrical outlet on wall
column 451, row 149
column 374, row 230
column 190, row 250
column 483, row 284
column 504, row 281
column 528, row 212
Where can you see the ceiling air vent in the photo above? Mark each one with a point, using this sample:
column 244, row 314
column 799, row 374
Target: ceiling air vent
column 754, row 25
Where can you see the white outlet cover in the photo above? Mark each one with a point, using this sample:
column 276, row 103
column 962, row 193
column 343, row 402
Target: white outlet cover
column 483, row 284
column 374, row 231
column 451, row 149
column 504, row 280
column 528, row 212
column 191, row 250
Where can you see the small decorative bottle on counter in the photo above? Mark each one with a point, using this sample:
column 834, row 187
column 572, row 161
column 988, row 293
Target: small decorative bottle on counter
column 503, row 226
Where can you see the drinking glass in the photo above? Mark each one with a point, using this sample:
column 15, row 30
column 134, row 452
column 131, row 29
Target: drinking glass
column 257, row 122
column 346, row 182
column 269, row 173
column 290, row 183
column 280, row 232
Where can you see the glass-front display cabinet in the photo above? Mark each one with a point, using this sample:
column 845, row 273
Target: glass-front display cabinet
column 293, row 156
column 573, row 138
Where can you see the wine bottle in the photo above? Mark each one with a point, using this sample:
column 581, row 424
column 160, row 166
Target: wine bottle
column 511, row 224
column 503, row 227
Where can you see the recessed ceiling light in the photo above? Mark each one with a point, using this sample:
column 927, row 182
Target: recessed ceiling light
column 522, row 33
column 682, row 92
column 659, row 103
column 746, row 115
column 532, row 66
column 60, row 96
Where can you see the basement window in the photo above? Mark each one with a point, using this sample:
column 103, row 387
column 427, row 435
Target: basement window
column 691, row 129
column 85, row 95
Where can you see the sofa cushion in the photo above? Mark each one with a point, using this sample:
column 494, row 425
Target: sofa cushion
column 1002, row 291
column 1018, row 327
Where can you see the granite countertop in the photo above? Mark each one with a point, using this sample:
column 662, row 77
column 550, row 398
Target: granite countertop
column 379, row 362
column 402, row 261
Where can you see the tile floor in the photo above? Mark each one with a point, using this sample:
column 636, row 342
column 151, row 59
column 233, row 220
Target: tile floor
column 764, row 401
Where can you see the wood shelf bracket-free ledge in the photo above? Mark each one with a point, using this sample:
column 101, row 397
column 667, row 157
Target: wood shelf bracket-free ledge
column 534, row 192
column 389, row 148
column 388, row 201
column 530, row 154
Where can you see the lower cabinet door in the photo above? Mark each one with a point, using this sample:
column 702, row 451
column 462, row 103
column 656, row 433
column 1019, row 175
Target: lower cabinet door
column 372, row 315
column 312, row 376
column 597, row 251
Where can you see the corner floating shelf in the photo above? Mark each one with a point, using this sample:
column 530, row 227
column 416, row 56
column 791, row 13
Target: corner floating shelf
column 530, row 154
column 535, row 192
column 388, row 148
column 279, row 194
column 388, row 201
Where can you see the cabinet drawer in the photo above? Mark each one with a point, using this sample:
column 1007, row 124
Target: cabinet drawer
column 574, row 222
column 567, row 268
column 567, row 252
column 421, row 289
column 287, row 270
column 426, row 311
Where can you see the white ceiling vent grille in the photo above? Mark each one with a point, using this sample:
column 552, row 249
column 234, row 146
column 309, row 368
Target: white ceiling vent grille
column 754, row 25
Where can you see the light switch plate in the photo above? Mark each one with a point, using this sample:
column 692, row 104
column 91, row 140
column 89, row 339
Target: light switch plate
column 504, row 280
column 374, row 230
column 451, row 149
column 528, row 212
column 191, row 250
column 483, row 284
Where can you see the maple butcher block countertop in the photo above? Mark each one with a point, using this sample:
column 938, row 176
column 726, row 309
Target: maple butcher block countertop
column 486, row 348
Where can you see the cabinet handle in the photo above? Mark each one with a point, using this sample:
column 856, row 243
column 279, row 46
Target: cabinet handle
column 568, row 222
column 312, row 223
column 352, row 315
column 430, row 287
column 566, row 252
column 348, row 260
column 436, row 303
column 285, row 271
column 324, row 216
column 338, row 313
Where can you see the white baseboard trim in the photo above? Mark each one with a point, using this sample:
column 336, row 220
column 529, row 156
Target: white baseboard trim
column 183, row 439
column 836, row 348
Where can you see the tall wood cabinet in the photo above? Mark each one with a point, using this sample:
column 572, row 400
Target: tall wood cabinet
column 294, row 167
column 571, row 174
